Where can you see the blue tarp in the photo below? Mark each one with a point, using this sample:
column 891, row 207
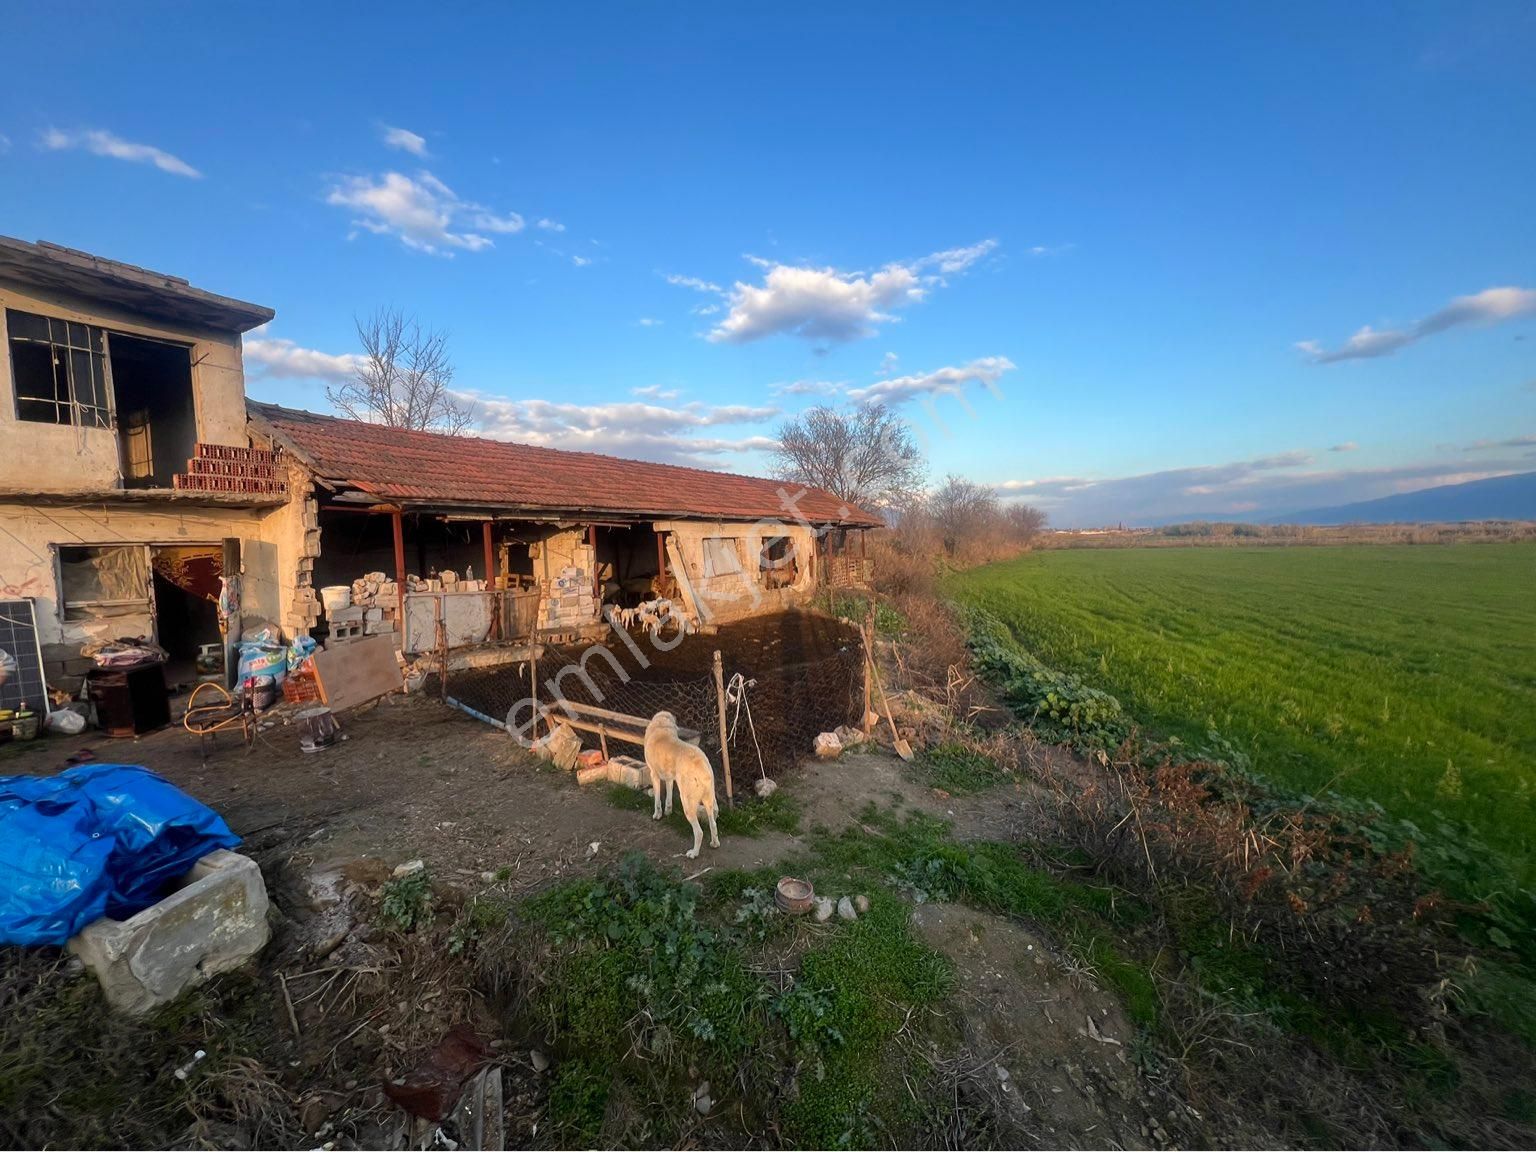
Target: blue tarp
column 97, row 840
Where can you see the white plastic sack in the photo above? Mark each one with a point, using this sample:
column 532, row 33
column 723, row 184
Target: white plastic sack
column 65, row 722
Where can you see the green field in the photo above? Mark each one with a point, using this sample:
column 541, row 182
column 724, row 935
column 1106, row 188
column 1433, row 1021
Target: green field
column 1401, row 674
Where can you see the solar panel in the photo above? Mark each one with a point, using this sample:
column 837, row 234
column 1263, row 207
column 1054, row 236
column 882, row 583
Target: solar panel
column 18, row 640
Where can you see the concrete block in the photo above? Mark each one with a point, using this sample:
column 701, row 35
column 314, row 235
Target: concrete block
column 378, row 627
column 352, row 614
column 216, row 921
column 372, row 614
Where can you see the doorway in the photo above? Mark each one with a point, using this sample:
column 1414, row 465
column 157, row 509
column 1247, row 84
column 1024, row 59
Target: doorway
column 186, row 590
column 156, row 421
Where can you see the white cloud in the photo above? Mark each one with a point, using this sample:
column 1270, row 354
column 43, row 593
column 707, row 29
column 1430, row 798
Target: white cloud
column 1507, row 442
column 656, row 392
column 695, row 283
column 405, row 140
column 285, row 360
column 649, row 322
column 953, row 260
column 550, row 225
column 887, row 364
column 644, row 431
column 808, row 388
column 1347, row 446
column 825, row 304
column 1490, row 306
column 103, row 143
column 5, row 143
column 941, row 382
column 1261, row 488
column 423, row 212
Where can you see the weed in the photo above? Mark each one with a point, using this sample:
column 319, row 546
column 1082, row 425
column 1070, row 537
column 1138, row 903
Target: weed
column 406, row 903
column 958, row 769
column 578, row 1100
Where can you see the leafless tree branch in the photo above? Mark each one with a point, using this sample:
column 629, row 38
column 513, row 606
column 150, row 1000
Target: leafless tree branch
column 404, row 378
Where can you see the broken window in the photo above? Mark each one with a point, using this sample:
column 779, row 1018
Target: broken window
column 103, row 581
column 720, row 556
column 776, row 562
column 59, row 369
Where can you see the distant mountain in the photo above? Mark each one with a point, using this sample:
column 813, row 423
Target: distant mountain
column 1502, row 498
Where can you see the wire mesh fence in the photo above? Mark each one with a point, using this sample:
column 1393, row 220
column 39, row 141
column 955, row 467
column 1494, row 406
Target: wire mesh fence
column 772, row 714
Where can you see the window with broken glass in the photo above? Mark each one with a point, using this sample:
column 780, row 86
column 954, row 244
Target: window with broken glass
column 59, row 370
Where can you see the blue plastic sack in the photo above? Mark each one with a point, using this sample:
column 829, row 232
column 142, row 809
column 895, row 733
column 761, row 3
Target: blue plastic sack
column 96, row 840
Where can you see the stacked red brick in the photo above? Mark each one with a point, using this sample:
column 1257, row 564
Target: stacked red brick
column 243, row 471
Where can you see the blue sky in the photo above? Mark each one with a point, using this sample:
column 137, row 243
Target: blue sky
column 1127, row 262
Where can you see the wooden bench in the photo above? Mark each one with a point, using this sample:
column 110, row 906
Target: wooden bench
column 605, row 723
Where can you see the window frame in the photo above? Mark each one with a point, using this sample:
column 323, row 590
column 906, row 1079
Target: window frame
column 82, row 414
column 75, row 611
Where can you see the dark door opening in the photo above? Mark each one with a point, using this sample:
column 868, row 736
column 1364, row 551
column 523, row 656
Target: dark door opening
column 156, row 421
column 186, row 584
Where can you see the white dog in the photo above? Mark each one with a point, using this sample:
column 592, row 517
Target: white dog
column 670, row 761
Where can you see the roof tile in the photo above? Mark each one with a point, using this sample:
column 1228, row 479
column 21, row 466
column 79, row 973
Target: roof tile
column 433, row 468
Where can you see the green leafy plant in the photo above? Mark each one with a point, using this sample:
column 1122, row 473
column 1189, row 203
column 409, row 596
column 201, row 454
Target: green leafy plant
column 406, row 903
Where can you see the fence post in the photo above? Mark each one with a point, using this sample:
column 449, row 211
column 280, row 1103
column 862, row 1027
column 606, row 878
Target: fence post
column 725, row 748
column 533, row 667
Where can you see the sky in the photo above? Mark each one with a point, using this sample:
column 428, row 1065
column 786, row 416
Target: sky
column 1124, row 262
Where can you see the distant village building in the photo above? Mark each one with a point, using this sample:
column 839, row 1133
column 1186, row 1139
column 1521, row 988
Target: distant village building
column 135, row 476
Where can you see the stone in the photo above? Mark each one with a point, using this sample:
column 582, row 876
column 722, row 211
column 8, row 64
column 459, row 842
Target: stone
column 765, row 788
column 824, row 908
column 539, row 1061
column 215, row 922
column 848, row 736
column 828, row 746
column 861, row 904
column 408, row 867
column 845, row 909
column 560, row 747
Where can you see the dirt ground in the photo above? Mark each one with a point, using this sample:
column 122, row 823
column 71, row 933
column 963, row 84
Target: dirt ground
column 415, row 778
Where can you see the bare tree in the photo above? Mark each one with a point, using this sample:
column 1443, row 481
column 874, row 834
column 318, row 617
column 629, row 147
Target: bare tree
column 1025, row 522
column 962, row 511
column 865, row 456
column 403, row 378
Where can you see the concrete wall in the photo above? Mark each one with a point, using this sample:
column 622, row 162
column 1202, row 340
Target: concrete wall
column 276, row 547
column 732, row 597
column 36, row 457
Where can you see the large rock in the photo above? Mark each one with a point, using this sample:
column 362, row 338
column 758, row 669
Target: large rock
column 828, row 746
column 216, row 921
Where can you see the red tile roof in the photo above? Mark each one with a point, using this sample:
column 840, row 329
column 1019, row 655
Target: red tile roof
column 428, row 468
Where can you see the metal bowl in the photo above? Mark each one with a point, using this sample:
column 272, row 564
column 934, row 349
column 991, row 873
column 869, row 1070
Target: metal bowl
column 794, row 896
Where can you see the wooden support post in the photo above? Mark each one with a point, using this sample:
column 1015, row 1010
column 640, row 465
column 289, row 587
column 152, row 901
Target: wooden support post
column 597, row 587
column 866, row 632
column 661, row 561
column 397, row 517
column 725, row 748
column 490, row 580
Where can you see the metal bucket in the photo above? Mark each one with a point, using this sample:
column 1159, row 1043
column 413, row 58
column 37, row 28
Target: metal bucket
column 317, row 728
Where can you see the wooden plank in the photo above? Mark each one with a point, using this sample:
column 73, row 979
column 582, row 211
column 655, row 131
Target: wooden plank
column 358, row 671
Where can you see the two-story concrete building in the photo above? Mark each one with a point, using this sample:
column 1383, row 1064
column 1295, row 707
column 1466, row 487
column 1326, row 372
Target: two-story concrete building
column 128, row 486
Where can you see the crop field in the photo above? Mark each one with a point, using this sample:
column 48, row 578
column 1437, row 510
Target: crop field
column 1400, row 674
